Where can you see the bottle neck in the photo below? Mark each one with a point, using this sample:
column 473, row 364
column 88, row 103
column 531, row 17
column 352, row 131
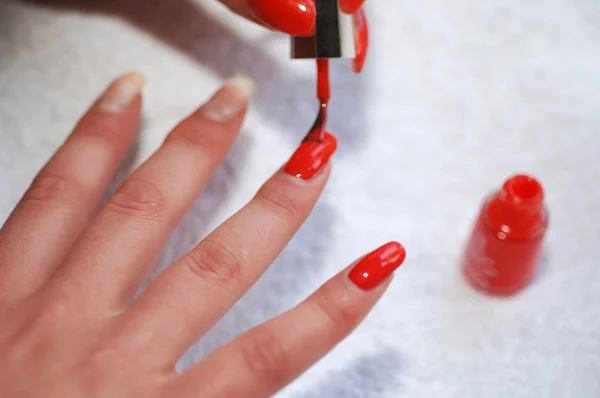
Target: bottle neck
column 517, row 210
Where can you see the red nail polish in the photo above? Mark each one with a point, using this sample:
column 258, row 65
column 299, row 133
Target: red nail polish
column 314, row 152
column 376, row 266
column 350, row 6
column 294, row 17
column 361, row 27
column 504, row 249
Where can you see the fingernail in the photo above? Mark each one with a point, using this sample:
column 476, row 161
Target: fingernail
column 350, row 6
column 122, row 92
column 230, row 100
column 311, row 156
column 294, row 17
column 377, row 266
column 361, row 27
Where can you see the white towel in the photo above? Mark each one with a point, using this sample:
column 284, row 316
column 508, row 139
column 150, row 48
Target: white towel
column 456, row 96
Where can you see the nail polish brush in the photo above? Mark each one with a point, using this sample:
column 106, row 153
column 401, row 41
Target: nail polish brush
column 334, row 35
column 334, row 38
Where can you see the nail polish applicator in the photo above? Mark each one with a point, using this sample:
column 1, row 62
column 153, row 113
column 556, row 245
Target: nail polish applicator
column 334, row 38
column 334, row 35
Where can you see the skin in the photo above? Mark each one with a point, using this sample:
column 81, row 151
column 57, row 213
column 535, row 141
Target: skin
column 68, row 272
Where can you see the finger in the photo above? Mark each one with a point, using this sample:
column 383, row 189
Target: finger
column 197, row 290
column 351, row 6
column 58, row 205
column 265, row 359
column 243, row 9
column 361, row 27
column 125, row 238
column 294, row 17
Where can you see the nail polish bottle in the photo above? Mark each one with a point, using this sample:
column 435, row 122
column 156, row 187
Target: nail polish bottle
column 334, row 35
column 503, row 252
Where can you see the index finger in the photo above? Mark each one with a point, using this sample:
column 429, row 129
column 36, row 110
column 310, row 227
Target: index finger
column 266, row 358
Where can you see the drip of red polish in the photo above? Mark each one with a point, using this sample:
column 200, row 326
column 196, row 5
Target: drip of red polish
column 503, row 252
column 377, row 266
column 361, row 29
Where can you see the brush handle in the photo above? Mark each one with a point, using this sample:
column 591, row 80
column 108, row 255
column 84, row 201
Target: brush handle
column 334, row 37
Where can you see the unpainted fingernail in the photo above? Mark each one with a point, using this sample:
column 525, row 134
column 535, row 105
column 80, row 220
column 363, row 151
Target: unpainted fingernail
column 230, row 100
column 122, row 92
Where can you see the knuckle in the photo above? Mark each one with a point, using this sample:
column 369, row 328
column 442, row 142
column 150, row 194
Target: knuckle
column 140, row 198
column 195, row 131
column 48, row 187
column 102, row 354
column 33, row 332
column 98, row 364
column 265, row 356
column 101, row 130
column 279, row 202
column 220, row 261
column 337, row 309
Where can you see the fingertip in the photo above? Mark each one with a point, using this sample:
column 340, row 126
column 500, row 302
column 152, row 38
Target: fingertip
column 231, row 100
column 351, row 6
column 245, row 85
column 361, row 27
column 294, row 17
column 331, row 141
column 312, row 156
column 122, row 93
column 374, row 269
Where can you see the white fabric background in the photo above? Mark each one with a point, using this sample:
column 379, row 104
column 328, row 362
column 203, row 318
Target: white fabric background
column 456, row 96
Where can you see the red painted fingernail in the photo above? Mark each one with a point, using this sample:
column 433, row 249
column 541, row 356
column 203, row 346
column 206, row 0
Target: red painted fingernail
column 350, row 6
column 294, row 17
column 361, row 27
column 376, row 266
column 311, row 156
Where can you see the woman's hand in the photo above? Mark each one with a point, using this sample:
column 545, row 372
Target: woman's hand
column 294, row 17
column 68, row 273
column 298, row 18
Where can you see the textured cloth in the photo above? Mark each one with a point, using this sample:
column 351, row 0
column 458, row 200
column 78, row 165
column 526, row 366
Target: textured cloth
column 455, row 97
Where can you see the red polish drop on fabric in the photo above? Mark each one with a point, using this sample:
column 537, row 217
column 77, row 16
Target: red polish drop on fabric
column 503, row 252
